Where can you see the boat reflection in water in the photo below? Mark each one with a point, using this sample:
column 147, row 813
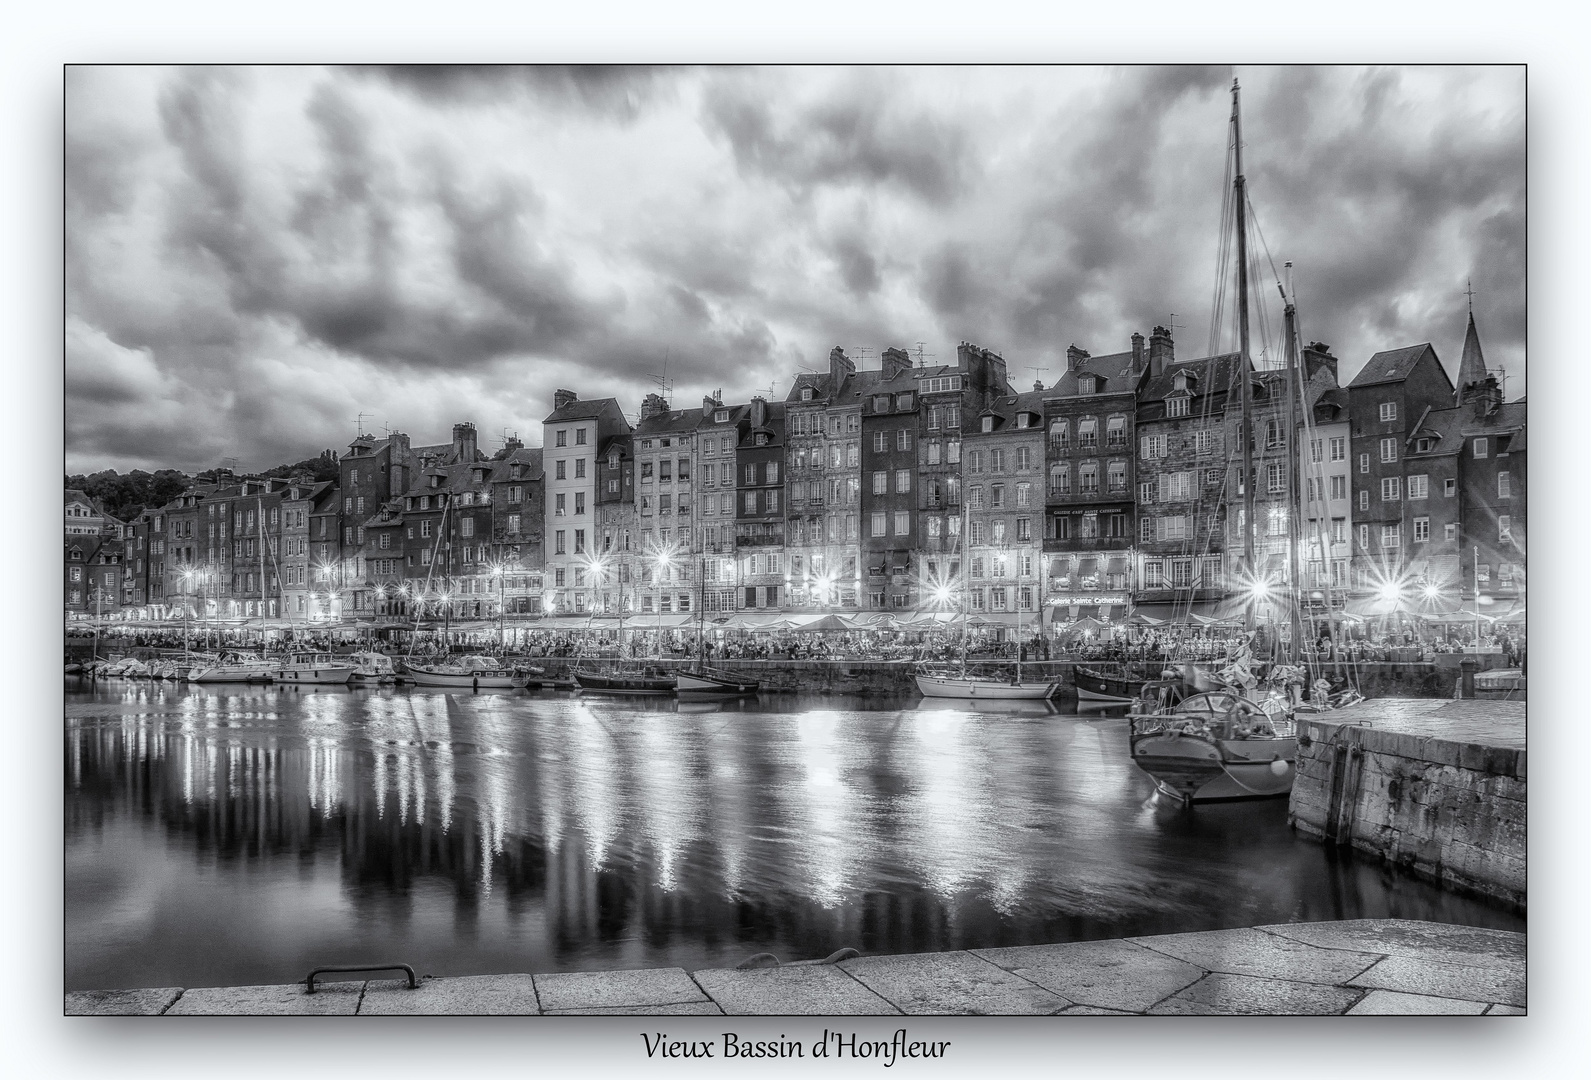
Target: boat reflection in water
column 242, row 835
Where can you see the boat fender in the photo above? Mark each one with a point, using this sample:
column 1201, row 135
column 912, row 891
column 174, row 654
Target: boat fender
column 1279, row 767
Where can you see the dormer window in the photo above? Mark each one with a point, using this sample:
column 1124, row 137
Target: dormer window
column 1024, row 420
column 613, row 459
column 425, row 502
column 722, row 415
column 1179, row 381
column 806, row 393
column 1423, row 445
column 762, row 440
column 988, row 423
column 1177, row 406
column 881, row 403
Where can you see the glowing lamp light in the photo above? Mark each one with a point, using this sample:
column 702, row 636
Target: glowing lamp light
column 1431, row 592
column 1388, row 591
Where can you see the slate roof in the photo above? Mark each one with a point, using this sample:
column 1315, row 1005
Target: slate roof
column 1116, row 368
column 1212, row 375
column 1472, row 365
column 667, row 423
column 1391, row 365
column 1451, row 427
column 580, row 409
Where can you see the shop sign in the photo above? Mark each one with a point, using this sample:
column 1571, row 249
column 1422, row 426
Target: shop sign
column 1087, row 598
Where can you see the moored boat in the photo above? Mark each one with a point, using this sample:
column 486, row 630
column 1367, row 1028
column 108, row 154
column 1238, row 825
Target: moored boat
column 372, row 668
column 1217, row 745
column 233, row 668
column 644, row 681
column 706, row 680
column 953, row 683
column 318, row 669
column 464, row 673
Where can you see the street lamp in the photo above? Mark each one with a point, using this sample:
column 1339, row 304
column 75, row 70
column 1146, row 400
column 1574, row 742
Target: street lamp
column 663, row 564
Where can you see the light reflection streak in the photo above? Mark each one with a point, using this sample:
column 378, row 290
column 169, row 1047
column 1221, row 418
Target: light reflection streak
column 829, row 830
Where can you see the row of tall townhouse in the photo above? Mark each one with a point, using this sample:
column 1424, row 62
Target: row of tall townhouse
column 1439, row 483
column 883, row 489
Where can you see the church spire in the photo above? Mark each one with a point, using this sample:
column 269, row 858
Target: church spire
column 1472, row 365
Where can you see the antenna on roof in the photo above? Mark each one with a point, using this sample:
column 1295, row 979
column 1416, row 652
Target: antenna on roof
column 861, row 356
column 664, row 386
column 921, row 355
column 1173, row 322
column 1037, row 371
column 359, row 425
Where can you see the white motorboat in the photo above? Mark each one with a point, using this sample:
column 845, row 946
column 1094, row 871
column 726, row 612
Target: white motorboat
column 234, row 668
column 317, row 669
column 372, row 668
column 464, row 673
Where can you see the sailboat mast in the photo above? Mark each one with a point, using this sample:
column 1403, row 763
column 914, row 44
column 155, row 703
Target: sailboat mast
column 701, row 611
column 1294, row 446
column 259, row 510
column 1246, row 435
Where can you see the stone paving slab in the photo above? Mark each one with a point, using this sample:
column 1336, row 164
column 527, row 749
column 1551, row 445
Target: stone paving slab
column 473, row 995
column 1480, row 722
column 1392, row 1003
column 1356, row 966
column 1406, row 937
column 151, row 1002
column 1504, row 983
column 1105, row 974
column 688, row 1008
column 1220, row 994
column 563, row 991
column 953, row 983
column 1262, row 955
column 329, row 999
column 825, row 990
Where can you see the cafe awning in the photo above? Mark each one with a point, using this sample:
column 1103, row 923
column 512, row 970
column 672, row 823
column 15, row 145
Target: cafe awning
column 1116, row 565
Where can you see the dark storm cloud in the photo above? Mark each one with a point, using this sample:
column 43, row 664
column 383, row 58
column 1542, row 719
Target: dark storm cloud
column 614, row 90
column 256, row 255
column 862, row 133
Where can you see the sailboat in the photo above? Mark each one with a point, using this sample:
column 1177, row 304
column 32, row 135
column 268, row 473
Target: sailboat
column 944, row 681
column 1220, row 744
column 699, row 678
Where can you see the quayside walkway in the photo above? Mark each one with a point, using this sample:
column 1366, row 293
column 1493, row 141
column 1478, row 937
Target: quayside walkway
column 1358, row 967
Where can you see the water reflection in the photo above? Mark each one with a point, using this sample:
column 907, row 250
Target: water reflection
column 242, row 835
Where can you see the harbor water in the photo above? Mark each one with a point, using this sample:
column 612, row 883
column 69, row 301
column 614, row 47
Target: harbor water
column 244, row 835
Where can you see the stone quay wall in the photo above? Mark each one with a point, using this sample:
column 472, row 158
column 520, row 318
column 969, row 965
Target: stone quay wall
column 1449, row 811
column 894, row 677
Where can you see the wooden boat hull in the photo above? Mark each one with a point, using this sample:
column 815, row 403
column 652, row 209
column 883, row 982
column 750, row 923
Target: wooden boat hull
column 629, row 685
column 1200, row 769
column 708, row 682
column 967, row 688
column 1095, row 686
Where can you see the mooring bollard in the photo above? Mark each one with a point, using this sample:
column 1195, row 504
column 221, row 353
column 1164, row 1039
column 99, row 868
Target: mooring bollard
column 1467, row 667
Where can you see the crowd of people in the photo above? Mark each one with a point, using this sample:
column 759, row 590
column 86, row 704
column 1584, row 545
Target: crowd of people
column 1144, row 645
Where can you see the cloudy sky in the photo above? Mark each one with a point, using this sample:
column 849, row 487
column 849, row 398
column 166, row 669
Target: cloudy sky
column 256, row 256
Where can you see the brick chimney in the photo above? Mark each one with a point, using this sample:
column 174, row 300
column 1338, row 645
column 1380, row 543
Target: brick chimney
column 464, row 442
column 1161, row 353
column 1485, row 396
column 896, row 362
column 1317, row 356
column 653, row 405
column 1075, row 357
column 560, row 398
column 1137, row 352
column 841, row 367
column 759, row 412
column 711, row 402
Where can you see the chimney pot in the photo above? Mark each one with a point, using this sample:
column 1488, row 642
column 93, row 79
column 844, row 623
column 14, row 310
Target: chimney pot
column 560, row 398
column 1075, row 357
